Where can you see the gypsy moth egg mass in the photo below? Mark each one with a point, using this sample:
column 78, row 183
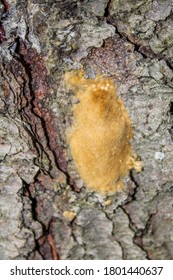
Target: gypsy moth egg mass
column 99, row 137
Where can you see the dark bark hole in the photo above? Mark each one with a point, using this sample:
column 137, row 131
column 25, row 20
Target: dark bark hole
column 170, row 116
column 171, row 108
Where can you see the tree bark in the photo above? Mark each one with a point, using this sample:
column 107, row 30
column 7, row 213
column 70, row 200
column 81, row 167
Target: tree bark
column 46, row 210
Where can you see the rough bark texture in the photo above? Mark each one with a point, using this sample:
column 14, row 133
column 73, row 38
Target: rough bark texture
column 45, row 210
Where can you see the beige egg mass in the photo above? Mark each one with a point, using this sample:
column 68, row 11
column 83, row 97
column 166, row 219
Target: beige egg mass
column 100, row 135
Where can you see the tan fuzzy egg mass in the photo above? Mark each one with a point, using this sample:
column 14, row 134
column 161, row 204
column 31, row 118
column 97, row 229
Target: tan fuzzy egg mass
column 99, row 138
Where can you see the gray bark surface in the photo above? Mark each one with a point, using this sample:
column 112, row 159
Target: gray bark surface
column 46, row 211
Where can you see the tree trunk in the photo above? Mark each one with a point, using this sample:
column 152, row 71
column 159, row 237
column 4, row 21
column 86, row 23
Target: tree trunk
column 46, row 209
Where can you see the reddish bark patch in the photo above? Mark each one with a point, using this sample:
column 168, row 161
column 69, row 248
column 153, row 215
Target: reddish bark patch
column 48, row 247
column 114, row 58
column 6, row 5
column 41, row 195
column 30, row 74
column 2, row 33
column 31, row 69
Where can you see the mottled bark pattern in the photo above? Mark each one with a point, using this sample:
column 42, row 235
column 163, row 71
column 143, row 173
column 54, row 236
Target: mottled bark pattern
column 46, row 211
